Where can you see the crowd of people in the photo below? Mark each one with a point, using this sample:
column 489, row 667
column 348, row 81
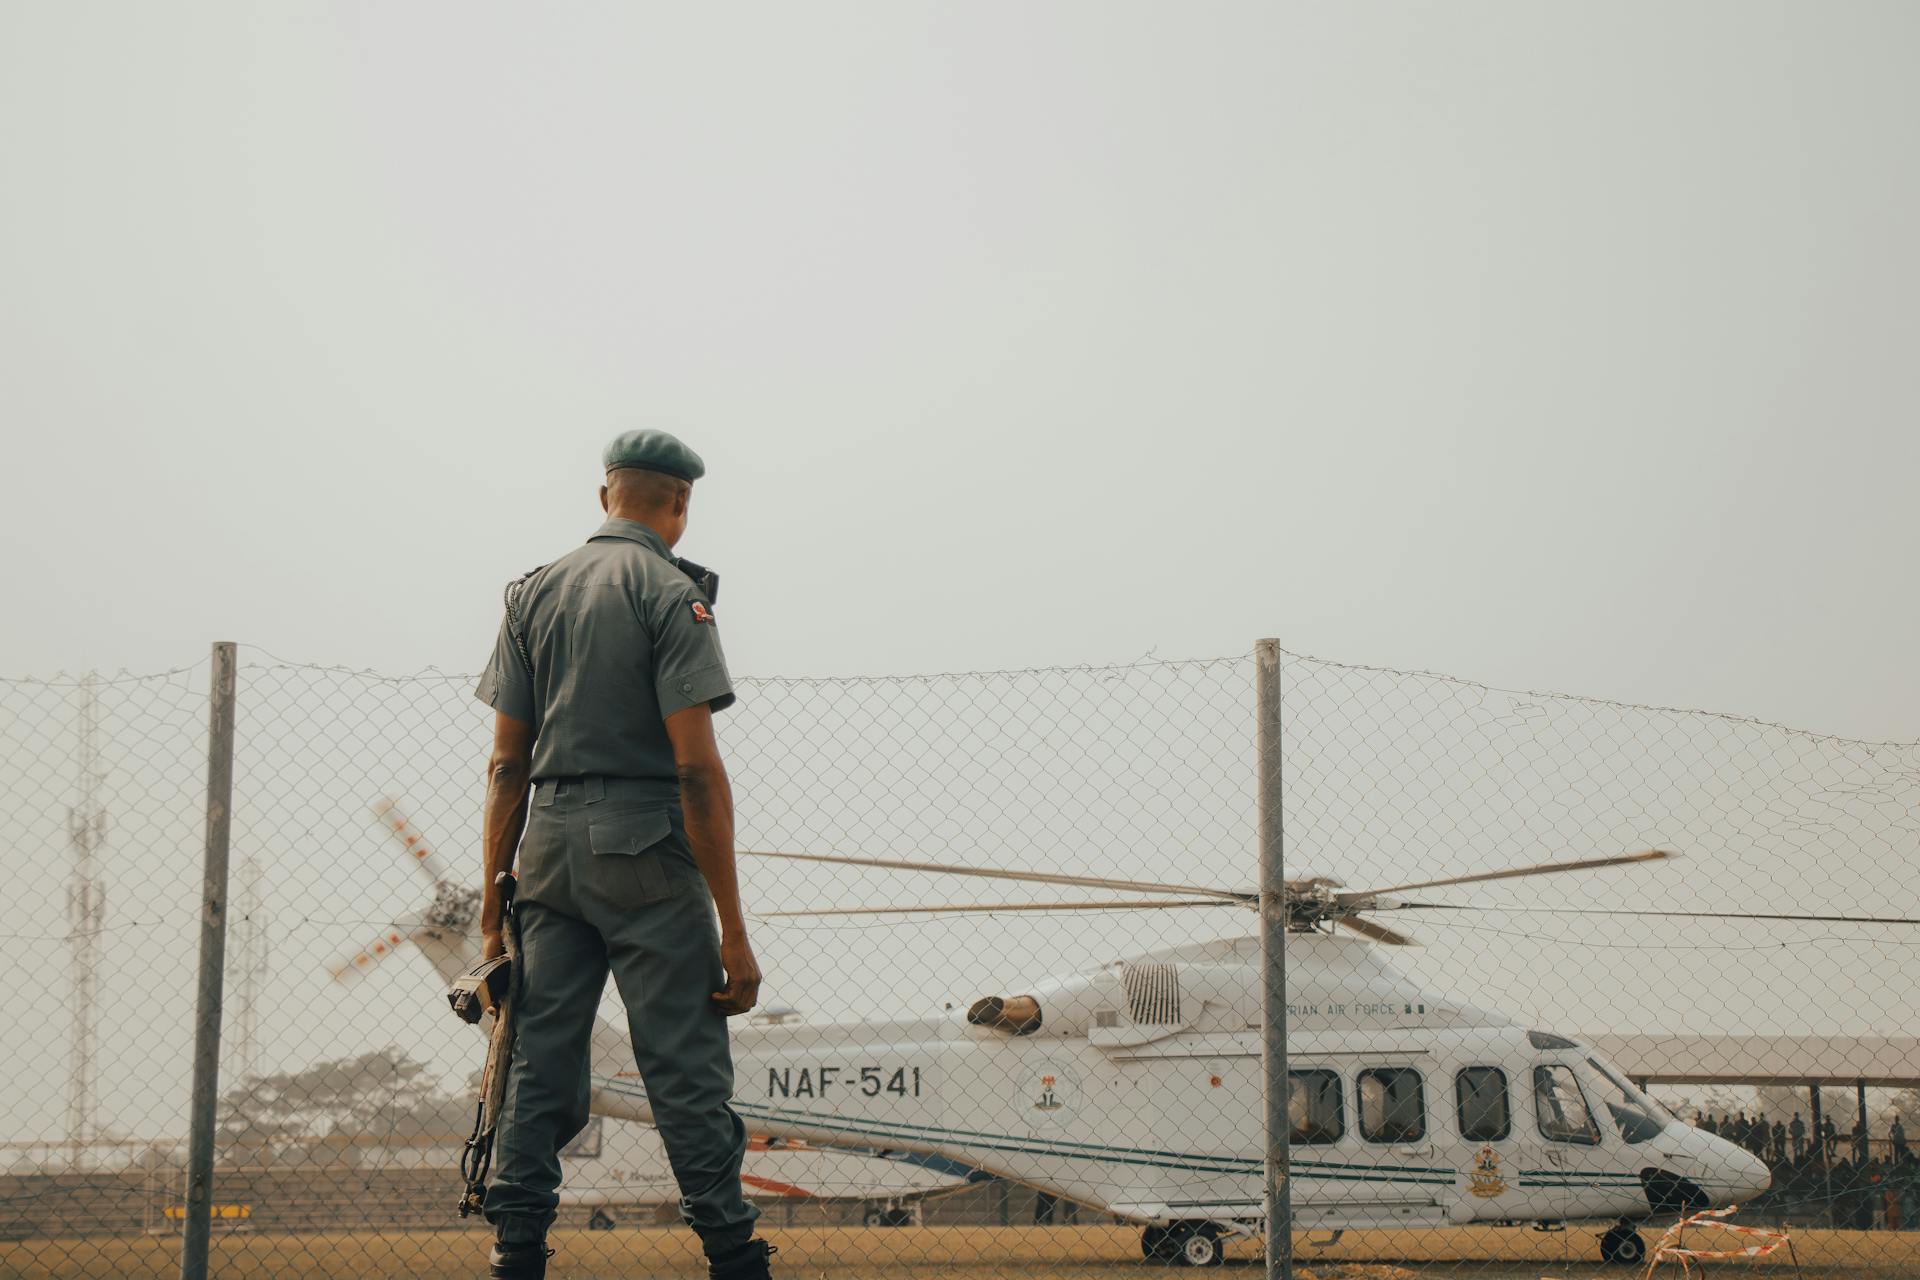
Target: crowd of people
column 1848, row 1179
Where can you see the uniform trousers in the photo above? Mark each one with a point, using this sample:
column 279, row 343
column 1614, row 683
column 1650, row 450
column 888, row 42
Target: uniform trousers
column 607, row 883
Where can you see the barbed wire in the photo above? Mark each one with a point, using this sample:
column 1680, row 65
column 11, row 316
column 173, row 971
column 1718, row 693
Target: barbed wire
column 1591, row 700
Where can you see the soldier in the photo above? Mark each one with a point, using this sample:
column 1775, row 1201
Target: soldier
column 605, row 680
column 1757, row 1134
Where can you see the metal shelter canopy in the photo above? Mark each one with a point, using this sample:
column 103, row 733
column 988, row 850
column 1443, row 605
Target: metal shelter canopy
column 1883, row 1061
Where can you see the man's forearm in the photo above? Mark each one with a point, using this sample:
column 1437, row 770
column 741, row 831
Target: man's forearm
column 501, row 824
column 706, row 799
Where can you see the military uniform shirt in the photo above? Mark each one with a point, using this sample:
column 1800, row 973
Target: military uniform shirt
column 620, row 639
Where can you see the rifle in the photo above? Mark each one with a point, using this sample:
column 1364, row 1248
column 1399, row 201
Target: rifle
column 489, row 987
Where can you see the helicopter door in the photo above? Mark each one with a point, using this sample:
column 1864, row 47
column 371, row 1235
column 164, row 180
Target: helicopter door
column 1393, row 1174
column 1489, row 1150
column 1564, row 1157
column 1317, row 1128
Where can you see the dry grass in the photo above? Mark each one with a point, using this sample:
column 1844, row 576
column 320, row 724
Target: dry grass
column 976, row 1253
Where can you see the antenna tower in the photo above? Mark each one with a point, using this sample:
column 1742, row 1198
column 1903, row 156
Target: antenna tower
column 87, row 915
column 248, row 962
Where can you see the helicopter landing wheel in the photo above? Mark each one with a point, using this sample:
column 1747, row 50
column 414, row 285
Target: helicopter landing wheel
column 1183, row 1244
column 1623, row 1246
column 1200, row 1246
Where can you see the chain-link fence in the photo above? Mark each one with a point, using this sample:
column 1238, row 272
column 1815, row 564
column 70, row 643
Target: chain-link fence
column 957, row 1075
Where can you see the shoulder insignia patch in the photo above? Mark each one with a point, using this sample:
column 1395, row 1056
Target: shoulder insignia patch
column 701, row 613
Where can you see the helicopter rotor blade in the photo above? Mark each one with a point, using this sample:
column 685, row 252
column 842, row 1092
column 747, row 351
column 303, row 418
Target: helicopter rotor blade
column 1671, row 915
column 350, row 964
column 1512, row 873
column 957, row 907
column 1377, row 932
column 991, row 873
column 431, row 865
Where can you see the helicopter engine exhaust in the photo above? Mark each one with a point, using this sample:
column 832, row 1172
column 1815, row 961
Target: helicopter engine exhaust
column 1013, row 1015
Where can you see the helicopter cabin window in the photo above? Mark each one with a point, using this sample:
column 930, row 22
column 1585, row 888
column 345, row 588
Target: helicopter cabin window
column 1635, row 1115
column 1548, row 1040
column 1392, row 1105
column 1480, row 1094
column 1560, row 1107
column 1315, row 1109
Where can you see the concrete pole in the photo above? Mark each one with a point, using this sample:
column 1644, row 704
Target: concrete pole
column 1820, row 1145
column 1273, row 950
column 1864, row 1145
column 198, row 1227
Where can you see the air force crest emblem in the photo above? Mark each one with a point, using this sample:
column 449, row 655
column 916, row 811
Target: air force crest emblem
column 1485, row 1180
column 1048, row 1097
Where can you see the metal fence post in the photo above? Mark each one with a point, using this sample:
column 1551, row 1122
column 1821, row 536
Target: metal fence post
column 198, row 1226
column 1273, row 951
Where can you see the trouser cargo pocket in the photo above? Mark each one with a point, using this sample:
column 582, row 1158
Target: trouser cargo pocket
column 638, row 857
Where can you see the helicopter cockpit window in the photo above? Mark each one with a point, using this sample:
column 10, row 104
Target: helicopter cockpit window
column 1561, row 1109
column 1392, row 1105
column 1635, row 1115
column 1314, row 1107
column 1480, row 1093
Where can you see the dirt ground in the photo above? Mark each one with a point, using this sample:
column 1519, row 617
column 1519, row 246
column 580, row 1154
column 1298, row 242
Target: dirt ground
column 976, row 1253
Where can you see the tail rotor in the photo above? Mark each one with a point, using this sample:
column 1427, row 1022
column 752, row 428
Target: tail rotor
column 442, row 929
column 415, row 845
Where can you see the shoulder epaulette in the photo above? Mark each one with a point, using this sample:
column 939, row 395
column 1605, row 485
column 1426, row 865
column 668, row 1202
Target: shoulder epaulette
column 514, row 626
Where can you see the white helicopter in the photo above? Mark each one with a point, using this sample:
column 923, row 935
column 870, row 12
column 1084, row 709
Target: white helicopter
column 1136, row 1088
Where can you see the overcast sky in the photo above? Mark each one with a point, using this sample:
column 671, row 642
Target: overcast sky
column 1551, row 345
column 1559, row 346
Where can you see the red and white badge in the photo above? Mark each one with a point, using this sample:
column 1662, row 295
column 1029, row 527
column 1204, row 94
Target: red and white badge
column 701, row 613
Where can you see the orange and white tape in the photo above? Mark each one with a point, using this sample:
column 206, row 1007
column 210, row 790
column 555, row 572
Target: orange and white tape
column 1770, row 1238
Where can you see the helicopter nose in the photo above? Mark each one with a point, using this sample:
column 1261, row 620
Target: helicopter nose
column 1734, row 1175
column 1751, row 1176
column 1719, row 1171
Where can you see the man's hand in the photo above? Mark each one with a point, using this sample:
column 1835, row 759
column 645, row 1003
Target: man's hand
column 491, row 945
column 743, row 977
column 707, row 800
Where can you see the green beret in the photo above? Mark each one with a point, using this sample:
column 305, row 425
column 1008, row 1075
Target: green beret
column 654, row 451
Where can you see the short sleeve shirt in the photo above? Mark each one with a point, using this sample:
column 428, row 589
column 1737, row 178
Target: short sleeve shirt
column 619, row 640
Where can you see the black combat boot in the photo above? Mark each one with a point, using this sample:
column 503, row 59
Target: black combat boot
column 518, row 1260
column 748, row 1262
